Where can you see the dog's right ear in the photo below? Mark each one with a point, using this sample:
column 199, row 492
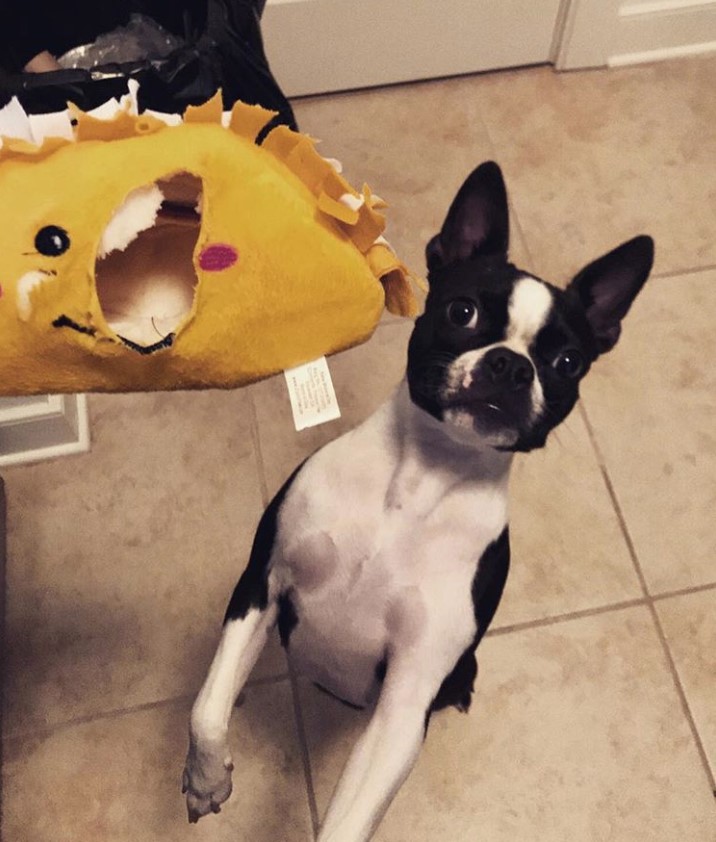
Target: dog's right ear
column 609, row 285
column 477, row 223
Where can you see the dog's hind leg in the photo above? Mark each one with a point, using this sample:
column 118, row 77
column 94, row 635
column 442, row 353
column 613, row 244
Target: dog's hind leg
column 251, row 614
column 381, row 760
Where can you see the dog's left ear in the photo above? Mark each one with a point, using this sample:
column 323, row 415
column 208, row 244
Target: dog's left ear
column 608, row 286
column 477, row 223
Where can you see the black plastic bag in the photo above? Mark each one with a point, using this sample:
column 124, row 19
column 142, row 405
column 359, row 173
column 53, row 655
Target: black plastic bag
column 223, row 50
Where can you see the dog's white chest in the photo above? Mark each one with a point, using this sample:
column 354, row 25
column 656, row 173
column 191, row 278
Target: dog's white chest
column 378, row 544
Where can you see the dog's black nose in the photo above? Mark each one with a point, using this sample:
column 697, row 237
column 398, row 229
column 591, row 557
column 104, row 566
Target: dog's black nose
column 505, row 367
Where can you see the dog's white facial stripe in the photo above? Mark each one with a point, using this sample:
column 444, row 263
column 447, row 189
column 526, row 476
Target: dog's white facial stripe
column 528, row 311
column 529, row 308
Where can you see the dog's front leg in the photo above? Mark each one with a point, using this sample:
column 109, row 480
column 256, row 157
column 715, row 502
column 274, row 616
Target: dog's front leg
column 207, row 774
column 380, row 761
column 250, row 616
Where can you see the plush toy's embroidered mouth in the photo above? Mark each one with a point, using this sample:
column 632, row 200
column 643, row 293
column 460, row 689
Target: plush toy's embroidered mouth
column 66, row 321
column 144, row 273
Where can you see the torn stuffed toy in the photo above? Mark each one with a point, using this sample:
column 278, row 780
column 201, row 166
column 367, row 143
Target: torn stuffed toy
column 149, row 252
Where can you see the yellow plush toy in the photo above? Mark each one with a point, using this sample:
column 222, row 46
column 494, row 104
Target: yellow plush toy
column 146, row 252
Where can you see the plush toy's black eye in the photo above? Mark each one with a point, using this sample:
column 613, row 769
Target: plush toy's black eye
column 569, row 363
column 52, row 241
column 462, row 313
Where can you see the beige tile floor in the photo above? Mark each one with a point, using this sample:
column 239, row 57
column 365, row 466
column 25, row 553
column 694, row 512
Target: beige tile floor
column 595, row 712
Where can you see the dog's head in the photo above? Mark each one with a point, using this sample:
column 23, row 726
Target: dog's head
column 498, row 352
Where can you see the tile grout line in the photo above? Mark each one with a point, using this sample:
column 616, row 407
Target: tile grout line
column 556, row 619
column 520, row 230
column 682, row 697
column 692, row 270
column 512, row 208
column 256, row 440
column 305, row 754
column 684, row 591
column 615, row 502
column 649, row 602
column 117, row 713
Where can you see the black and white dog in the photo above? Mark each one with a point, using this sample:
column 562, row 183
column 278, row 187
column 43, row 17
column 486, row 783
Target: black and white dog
column 384, row 556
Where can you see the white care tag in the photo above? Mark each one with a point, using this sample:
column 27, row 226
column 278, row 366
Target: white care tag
column 313, row 398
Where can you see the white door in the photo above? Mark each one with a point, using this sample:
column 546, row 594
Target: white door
column 616, row 32
column 315, row 46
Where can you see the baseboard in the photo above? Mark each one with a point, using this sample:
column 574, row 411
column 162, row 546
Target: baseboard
column 42, row 427
column 662, row 54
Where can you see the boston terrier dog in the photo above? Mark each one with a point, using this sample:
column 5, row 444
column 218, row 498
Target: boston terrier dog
column 383, row 558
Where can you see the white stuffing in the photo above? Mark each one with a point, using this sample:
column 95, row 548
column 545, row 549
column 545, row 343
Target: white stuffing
column 137, row 213
column 352, row 202
column 14, row 122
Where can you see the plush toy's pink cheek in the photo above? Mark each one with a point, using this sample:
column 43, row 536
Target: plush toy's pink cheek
column 217, row 257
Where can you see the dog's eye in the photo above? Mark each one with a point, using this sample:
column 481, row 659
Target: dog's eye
column 52, row 241
column 462, row 313
column 569, row 363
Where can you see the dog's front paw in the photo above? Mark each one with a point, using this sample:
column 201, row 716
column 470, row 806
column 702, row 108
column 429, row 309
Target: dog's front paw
column 206, row 779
